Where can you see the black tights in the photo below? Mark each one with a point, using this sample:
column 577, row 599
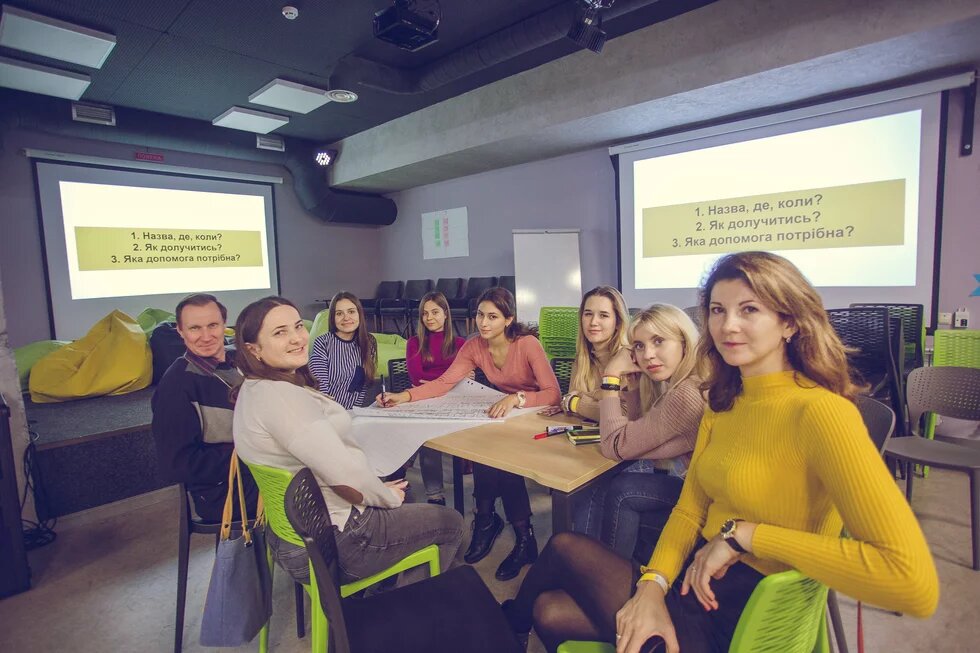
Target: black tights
column 573, row 591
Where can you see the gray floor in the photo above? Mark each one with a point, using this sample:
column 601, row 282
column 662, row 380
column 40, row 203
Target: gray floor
column 109, row 582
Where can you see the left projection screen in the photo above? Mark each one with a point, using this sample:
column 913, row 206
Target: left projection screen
column 126, row 240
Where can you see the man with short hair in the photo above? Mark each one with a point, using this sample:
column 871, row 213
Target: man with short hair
column 192, row 410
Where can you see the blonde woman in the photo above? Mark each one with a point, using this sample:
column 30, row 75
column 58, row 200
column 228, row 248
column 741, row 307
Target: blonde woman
column 603, row 322
column 649, row 409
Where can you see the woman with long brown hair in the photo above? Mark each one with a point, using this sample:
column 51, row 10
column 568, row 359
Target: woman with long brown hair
column 514, row 361
column 428, row 354
column 282, row 421
column 783, row 461
column 344, row 360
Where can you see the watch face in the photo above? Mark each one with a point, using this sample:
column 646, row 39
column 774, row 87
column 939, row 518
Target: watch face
column 727, row 527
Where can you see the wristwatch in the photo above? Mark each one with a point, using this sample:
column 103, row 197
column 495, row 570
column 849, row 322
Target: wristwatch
column 521, row 398
column 727, row 533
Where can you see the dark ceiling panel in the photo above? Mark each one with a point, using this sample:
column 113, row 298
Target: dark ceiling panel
column 105, row 14
column 192, row 80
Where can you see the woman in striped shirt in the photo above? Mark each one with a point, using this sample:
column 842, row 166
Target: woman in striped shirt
column 344, row 360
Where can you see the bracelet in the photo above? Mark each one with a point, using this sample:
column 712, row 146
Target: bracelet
column 573, row 404
column 610, row 383
column 654, row 576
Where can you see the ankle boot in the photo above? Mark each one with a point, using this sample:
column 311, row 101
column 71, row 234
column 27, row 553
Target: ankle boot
column 525, row 552
column 483, row 538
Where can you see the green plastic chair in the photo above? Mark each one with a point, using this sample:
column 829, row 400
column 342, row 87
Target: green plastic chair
column 558, row 330
column 956, row 348
column 272, row 484
column 785, row 614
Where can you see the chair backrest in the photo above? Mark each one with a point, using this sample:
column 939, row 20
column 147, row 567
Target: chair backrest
column 694, row 312
column 415, row 288
column 272, row 483
column 562, row 368
column 785, row 613
column 450, row 287
column 308, row 516
column 866, row 330
column 957, row 347
column 948, row 391
column 389, row 290
column 476, row 285
column 509, row 282
column 398, row 375
column 558, row 330
column 879, row 418
column 911, row 316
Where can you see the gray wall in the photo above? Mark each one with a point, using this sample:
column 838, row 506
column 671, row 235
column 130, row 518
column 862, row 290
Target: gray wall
column 315, row 258
column 961, row 219
column 576, row 191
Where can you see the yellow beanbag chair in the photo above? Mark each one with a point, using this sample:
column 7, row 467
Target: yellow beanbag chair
column 112, row 359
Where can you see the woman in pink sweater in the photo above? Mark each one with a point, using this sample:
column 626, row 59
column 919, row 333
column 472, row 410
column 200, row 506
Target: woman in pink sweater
column 513, row 361
column 427, row 356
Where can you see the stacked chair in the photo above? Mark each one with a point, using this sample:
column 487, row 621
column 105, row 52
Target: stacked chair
column 386, row 290
column 871, row 336
column 562, row 367
column 400, row 308
column 464, row 307
column 558, row 330
column 398, row 375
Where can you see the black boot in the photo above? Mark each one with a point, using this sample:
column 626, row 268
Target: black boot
column 485, row 531
column 525, row 552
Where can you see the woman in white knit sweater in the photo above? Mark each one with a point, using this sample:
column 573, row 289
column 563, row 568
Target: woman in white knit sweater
column 281, row 420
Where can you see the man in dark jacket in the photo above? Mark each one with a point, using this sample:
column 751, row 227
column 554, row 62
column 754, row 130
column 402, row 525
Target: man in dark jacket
column 192, row 412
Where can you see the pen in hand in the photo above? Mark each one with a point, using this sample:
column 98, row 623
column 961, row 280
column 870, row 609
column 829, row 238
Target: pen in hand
column 384, row 392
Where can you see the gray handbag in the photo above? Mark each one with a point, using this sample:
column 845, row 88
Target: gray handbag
column 239, row 600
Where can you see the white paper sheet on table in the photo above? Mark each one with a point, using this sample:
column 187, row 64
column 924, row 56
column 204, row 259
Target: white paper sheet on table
column 389, row 439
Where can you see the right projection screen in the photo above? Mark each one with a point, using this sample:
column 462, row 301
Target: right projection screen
column 849, row 195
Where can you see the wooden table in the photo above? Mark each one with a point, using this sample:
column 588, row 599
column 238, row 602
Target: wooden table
column 508, row 445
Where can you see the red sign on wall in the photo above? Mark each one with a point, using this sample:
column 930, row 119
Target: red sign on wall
column 148, row 156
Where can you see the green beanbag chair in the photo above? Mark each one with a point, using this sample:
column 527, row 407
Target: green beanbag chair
column 151, row 317
column 113, row 358
column 27, row 356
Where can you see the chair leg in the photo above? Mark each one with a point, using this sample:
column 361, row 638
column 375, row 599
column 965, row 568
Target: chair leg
column 909, row 475
column 975, row 516
column 300, row 615
column 183, row 553
column 834, row 607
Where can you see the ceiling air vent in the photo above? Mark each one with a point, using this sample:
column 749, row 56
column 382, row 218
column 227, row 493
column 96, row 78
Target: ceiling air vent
column 99, row 114
column 274, row 143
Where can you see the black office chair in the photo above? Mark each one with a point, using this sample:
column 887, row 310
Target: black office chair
column 398, row 375
column 562, row 367
column 509, row 282
column 462, row 307
column 911, row 316
column 450, row 287
column 868, row 332
column 190, row 524
column 453, row 611
column 386, row 290
column 400, row 309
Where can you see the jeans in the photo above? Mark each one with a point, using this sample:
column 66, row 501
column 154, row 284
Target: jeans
column 430, row 464
column 613, row 512
column 376, row 539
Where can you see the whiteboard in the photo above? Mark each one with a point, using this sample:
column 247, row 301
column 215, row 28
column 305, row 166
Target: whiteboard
column 548, row 270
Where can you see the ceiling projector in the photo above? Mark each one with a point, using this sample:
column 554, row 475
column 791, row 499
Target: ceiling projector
column 405, row 25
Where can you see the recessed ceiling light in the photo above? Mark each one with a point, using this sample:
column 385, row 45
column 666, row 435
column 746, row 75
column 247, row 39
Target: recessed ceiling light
column 291, row 96
column 250, row 120
column 49, row 37
column 36, row 78
column 340, row 95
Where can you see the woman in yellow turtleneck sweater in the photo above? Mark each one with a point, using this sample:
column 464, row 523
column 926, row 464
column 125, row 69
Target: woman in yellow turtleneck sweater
column 782, row 462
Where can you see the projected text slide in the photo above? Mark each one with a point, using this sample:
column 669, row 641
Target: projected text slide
column 853, row 215
column 137, row 248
